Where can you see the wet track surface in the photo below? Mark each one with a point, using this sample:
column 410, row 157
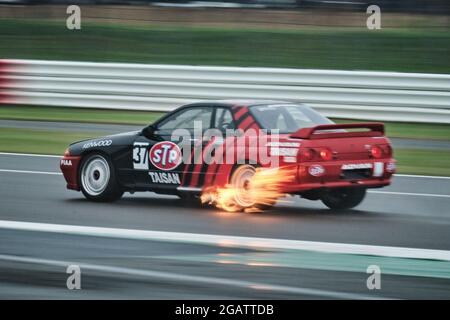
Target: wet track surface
column 412, row 213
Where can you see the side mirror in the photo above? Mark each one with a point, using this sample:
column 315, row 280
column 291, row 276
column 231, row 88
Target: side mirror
column 149, row 131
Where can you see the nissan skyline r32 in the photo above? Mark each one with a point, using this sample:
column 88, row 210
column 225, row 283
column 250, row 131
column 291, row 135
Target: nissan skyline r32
column 334, row 163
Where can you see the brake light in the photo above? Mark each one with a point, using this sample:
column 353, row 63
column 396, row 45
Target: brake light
column 376, row 152
column 387, row 150
column 326, row 154
column 306, row 154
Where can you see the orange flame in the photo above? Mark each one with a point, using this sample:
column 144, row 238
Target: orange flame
column 265, row 189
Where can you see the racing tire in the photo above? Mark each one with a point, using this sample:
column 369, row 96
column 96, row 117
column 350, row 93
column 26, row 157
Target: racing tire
column 343, row 198
column 98, row 180
column 240, row 181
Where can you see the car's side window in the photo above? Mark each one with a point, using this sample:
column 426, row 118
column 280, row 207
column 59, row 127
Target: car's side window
column 224, row 119
column 186, row 118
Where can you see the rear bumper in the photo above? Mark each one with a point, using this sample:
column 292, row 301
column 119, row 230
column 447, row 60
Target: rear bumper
column 320, row 175
column 69, row 167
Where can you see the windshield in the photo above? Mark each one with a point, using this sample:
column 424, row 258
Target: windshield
column 287, row 118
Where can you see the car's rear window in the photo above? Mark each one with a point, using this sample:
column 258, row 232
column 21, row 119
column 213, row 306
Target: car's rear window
column 287, row 118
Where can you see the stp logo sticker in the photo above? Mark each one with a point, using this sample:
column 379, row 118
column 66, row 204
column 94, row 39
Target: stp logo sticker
column 165, row 155
column 316, row 170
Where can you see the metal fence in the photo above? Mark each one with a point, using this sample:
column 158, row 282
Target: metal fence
column 385, row 96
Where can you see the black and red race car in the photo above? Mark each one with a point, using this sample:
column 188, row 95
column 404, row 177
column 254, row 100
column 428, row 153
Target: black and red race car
column 210, row 148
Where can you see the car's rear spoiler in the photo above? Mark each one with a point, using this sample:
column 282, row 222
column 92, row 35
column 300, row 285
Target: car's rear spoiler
column 319, row 132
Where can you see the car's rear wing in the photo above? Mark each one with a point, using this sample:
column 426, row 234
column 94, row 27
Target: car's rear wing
column 325, row 131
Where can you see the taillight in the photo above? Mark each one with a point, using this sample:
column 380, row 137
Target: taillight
column 67, row 153
column 387, row 150
column 376, row 152
column 306, row 154
column 326, row 154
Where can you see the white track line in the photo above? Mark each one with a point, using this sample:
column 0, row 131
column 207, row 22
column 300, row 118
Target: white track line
column 411, row 194
column 30, row 155
column 32, row 172
column 420, row 176
column 191, row 278
column 229, row 241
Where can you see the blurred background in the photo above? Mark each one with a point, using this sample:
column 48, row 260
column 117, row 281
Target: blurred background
column 270, row 33
column 391, row 5
column 68, row 93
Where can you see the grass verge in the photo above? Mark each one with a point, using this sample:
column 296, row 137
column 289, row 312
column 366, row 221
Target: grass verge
column 39, row 141
column 37, row 113
column 410, row 161
column 412, row 130
column 407, row 50
column 426, row 162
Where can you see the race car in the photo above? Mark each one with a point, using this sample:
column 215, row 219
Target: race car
column 210, row 146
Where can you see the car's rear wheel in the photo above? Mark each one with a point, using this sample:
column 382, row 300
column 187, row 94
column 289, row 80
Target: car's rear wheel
column 97, row 179
column 241, row 183
column 244, row 195
column 343, row 198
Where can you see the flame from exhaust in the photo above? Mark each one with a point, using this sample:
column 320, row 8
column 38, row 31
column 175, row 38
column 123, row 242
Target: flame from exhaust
column 265, row 188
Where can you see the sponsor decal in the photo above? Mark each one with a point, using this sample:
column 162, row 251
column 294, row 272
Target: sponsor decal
column 99, row 143
column 316, row 170
column 290, row 159
column 353, row 166
column 165, row 155
column 165, row 177
column 140, row 155
column 290, row 152
column 283, row 144
column 66, row 162
column 391, row 167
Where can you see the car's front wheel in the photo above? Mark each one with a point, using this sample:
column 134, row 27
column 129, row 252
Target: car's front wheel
column 343, row 198
column 97, row 179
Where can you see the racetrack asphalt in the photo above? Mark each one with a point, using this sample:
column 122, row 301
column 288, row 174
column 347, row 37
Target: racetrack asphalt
column 412, row 213
column 106, row 129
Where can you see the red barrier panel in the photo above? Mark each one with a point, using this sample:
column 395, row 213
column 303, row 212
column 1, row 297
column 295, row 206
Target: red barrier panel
column 6, row 67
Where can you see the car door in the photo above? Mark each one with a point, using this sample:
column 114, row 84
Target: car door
column 200, row 173
column 214, row 147
column 164, row 160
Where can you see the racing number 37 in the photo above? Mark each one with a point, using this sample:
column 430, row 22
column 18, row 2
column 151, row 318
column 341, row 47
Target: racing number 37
column 140, row 155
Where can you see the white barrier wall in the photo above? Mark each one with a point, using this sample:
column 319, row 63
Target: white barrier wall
column 385, row 96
